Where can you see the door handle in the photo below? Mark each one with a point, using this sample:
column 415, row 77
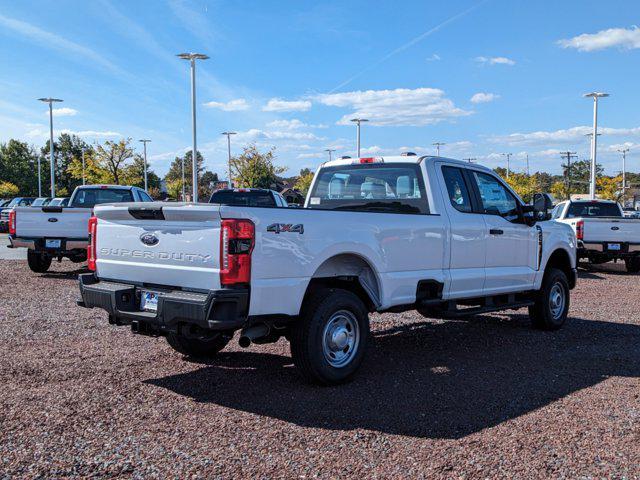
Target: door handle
column 496, row 231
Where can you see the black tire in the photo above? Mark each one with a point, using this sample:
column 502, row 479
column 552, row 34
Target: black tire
column 552, row 302
column 79, row 258
column 38, row 263
column 632, row 264
column 192, row 347
column 323, row 357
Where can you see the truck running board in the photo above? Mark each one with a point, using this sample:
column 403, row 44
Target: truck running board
column 451, row 309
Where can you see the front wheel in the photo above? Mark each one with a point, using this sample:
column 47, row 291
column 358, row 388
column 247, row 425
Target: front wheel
column 632, row 264
column 329, row 341
column 552, row 302
column 196, row 348
column 38, row 262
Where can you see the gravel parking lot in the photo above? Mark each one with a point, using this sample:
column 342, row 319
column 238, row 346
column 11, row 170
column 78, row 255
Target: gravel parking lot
column 488, row 397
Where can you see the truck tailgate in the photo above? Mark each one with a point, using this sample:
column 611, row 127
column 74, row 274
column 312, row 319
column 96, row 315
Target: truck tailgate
column 611, row 230
column 178, row 245
column 52, row 222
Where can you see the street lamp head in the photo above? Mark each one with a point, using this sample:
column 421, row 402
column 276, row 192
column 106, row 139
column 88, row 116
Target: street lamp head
column 50, row 100
column 359, row 120
column 229, row 133
column 192, row 56
column 144, row 140
column 596, row 94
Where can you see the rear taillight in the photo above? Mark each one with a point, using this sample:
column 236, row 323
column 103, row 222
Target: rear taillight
column 236, row 244
column 580, row 230
column 12, row 222
column 91, row 248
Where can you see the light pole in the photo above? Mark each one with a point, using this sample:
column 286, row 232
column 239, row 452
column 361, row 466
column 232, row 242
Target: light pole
column 508, row 155
column 228, row 134
column 184, row 196
column 83, row 179
column 39, row 177
column 471, row 159
column 358, row 121
column 624, row 173
column 50, row 101
column 594, row 141
column 438, row 145
column 144, row 142
column 569, row 155
column 329, row 151
column 192, row 57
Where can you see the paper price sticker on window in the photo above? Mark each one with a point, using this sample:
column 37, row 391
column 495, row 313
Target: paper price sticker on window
column 314, row 201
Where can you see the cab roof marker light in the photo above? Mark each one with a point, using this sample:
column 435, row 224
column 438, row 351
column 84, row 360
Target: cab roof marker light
column 368, row 160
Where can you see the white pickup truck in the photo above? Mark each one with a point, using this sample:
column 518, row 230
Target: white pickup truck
column 444, row 237
column 62, row 232
column 602, row 231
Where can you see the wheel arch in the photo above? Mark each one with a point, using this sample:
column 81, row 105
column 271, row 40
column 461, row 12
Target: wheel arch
column 561, row 259
column 352, row 272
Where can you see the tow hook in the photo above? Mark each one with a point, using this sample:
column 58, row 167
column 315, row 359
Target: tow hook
column 253, row 333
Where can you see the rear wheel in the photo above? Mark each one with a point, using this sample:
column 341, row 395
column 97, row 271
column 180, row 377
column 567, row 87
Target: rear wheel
column 329, row 341
column 633, row 264
column 196, row 348
column 38, row 262
column 552, row 301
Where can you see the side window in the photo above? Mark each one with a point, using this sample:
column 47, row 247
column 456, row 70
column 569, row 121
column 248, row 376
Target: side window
column 457, row 189
column 496, row 199
column 277, row 199
column 144, row 196
column 556, row 211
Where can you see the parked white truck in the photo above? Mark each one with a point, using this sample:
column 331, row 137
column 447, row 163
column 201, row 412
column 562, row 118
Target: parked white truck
column 62, row 232
column 602, row 231
column 444, row 237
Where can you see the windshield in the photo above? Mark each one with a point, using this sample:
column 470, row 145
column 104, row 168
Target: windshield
column 379, row 187
column 89, row 197
column 39, row 202
column 252, row 198
column 593, row 209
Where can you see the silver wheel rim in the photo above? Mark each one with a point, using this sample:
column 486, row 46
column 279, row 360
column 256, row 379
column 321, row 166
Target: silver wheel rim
column 340, row 338
column 557, row 300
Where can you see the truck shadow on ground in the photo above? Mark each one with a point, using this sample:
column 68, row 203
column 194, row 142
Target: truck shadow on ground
column 427, row 379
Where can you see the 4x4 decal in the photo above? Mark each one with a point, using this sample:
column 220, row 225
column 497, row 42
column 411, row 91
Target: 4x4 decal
column 286, row 227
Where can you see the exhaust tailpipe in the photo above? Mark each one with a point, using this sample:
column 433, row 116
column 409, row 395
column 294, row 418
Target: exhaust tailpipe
column 251, row 334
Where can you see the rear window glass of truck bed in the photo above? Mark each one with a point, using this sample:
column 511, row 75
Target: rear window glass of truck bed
column 371, row 187
column 593, row 209
column 90, row 197
column 243, row 199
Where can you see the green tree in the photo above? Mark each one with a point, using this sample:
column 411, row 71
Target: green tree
column 113, row 157
column 94, row 173
column 253, row 169
column 8, row 190
column 134, row 174
column 174, row 189
column 19, row 166
column 303, row 183
column 523, row 184
column 66, row 149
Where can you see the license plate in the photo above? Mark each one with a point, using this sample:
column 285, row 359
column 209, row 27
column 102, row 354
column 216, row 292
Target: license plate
column 149, row 301
column 613, row 246
column 52, row 243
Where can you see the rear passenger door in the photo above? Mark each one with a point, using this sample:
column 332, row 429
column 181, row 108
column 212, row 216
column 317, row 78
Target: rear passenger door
column 511, row 246
column 468, row 234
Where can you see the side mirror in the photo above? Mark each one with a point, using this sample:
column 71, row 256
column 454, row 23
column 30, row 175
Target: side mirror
column 542, row 203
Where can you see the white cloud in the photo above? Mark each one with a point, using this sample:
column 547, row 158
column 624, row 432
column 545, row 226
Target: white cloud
column 399, row 107
column 63, row 112
column 257, row 134
column 293, row 124
column 279, row 105
column 44, row 133
column 433, row 58
column 569, row 135
column 613, row 37
column 312, row 155
column 482, row 97
column 495, row 61
column 236, row 105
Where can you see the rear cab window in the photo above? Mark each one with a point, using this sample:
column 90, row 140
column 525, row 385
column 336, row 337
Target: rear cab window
column 377, row 187
column 593, row 209
column 90, row 197
column 243, row 199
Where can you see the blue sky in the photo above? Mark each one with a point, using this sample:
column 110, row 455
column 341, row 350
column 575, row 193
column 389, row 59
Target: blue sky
column 485, row 77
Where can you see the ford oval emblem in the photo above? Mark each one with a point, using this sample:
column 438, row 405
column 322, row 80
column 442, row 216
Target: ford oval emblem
column 615, row 228
column 149, row 239
column 53, row 220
